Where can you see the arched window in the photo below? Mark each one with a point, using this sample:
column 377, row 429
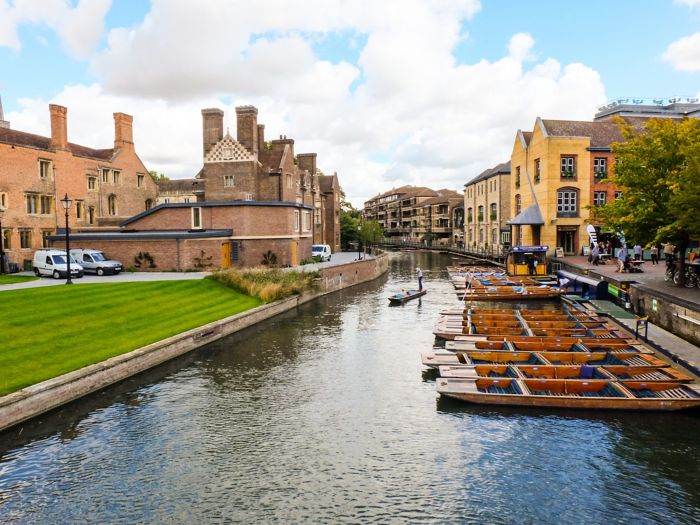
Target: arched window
column 149, row 204
column 112, row 205
column 518, row 204
column 567, row 202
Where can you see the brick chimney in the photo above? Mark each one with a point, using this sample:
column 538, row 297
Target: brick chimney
column 59, row 126
column 247, row 128
column 123, row 131
column 212, row 128
column 3, row 123
column 307, row 161
column 261, row 137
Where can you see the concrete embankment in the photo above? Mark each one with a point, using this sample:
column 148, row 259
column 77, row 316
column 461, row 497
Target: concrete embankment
column 40, row 398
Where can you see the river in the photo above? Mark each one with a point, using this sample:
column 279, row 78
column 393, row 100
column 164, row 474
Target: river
column 325, row 415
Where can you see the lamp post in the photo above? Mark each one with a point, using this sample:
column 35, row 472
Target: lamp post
column 2, row 245
column 66, row 206
column 359, row 229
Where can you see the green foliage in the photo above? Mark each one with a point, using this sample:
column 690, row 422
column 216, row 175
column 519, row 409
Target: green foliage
column 371, row 232
column 311, row 260
column 266, row 284
column 144, row 260
column 87, row 324
column 158, row 176
column 658, row 171
column 269, row 259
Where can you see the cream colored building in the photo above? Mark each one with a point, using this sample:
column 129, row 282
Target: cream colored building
column 487, row 209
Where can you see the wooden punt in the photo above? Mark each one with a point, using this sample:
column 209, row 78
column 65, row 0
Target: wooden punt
column 517, row 330
column 586, row 394
column 400, row 298
column 436, row 359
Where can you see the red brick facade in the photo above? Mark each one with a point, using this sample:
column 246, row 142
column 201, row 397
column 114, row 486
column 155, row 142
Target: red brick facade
column 105, row 185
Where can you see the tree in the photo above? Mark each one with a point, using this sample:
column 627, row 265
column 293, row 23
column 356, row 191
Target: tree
column 349, row 221
column 371, row 232
column 657, row 169
column 158, row 176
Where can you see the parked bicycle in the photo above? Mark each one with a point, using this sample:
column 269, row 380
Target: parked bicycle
column 691, row 276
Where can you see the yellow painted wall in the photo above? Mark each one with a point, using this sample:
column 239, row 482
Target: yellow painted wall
column 550, row 150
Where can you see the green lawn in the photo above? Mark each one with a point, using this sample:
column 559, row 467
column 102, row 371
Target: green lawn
column 46, row 332
column 12, row 279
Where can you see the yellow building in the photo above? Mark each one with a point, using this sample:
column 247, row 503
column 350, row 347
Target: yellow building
column 552, row 181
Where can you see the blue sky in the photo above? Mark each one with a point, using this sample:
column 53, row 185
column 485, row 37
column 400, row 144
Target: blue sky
column 371, row 70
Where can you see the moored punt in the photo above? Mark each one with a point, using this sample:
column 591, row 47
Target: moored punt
column 400, row 298
column 614, row 373
column 436, row 359
column 556, row 393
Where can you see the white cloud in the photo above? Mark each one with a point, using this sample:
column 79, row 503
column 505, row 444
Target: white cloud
column 520, row 47
column 405, row 113
column 690, row 3
column 684, row 54
column 79, row 28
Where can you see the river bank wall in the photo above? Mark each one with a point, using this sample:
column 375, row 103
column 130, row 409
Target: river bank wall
column 35, row 400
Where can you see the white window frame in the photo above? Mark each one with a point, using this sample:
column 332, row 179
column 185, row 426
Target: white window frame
column 249, row 196
column 196, row 218
column 600, row 164
column 600, row 198
column 229, row 181
column 618, row 194
column 567, row 201
column 568, row 163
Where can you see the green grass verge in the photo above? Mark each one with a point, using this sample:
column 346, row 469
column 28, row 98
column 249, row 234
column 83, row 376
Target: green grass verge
column 12, row 279
column 47, row 332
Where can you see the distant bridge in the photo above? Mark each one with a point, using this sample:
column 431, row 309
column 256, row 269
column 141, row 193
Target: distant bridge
column 489, row 256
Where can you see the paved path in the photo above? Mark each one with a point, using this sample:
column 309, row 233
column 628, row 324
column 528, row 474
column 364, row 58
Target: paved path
column 128, row 277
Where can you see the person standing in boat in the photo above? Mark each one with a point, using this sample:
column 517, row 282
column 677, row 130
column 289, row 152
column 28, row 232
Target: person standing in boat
column 420, row 279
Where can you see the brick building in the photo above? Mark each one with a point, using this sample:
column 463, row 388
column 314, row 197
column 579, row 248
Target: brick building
column 106, row 185
column 487, row 204
column 251, row 197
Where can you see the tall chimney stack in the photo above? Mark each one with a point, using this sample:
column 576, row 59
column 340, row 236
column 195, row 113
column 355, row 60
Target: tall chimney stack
column 261, row 137
column 59, row 126
column 307, row 161
column 123, row 131
column 247, row 128
column 212, row 128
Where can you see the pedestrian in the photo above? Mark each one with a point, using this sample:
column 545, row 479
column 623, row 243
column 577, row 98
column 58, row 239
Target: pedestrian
column 621, row 258
column 637, row 251
column 420, row 279
column 595, row 254
column 668, row 250
column 654, row 252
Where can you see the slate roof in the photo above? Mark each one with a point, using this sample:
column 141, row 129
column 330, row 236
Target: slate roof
column 328, row 183
column 603, row 133
column 179, row 185
column 499, row 169
column 30, row 140
column 531, row 215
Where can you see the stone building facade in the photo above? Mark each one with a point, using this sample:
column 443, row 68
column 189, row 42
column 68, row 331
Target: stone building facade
column 105, row 185
column 487, row 207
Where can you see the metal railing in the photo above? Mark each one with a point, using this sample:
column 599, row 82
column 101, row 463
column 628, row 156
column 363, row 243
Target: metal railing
column 491, row 253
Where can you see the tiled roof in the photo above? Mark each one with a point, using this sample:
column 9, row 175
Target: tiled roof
column 30, row 140
column 442, row 199
column 181, row 185
column 499, row 169
column 603, row 133
column 328, row 183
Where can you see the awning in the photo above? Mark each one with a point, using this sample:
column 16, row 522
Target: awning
column 574, row 277
column 531, row 215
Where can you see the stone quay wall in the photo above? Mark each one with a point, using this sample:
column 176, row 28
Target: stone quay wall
column 674, row 314
column 37, row 399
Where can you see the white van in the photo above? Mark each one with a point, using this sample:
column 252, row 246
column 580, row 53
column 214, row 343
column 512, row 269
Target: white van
column 95, row 261
column 53, row 263
column 321, row 250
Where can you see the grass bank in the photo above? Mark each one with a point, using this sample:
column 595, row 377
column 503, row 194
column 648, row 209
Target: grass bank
column 47, row 332
column 267, row 284
column 12, row 279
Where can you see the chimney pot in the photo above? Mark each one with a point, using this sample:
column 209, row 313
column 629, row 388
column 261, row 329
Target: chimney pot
column 123, row 131
column 59, row 126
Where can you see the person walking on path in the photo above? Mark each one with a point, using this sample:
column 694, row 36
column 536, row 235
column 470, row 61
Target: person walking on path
column 654, row 252
column 621, row 258
column 637, row 250
column 669, row 249
column 595, row 254
column 420, row 279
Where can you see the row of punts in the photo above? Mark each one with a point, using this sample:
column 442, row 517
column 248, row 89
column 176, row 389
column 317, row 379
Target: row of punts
column 551, row 356
column 489, row 284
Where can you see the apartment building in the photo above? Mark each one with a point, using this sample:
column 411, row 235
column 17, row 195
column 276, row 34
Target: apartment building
column 487, row 208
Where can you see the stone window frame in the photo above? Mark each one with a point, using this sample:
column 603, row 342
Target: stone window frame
column 148, row 204
column 117, row 177
column 25, row 239
column 104, row 175
column 567, row 202
column 112, row 209
column 306, row 216
column 296, row 220
column 140, row 178
column 4, row 199
column 538, row 170
column 91, row 183
column 196, row 214
column 45, row 174
column 6, row 239
column 46, row 205
column 91, row 214
column 31, row 201
column 79, row 209
column 229, row 181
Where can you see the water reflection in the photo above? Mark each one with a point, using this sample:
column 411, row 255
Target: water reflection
column 325, row 415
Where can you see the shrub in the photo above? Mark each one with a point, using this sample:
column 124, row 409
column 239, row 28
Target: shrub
column 269, row 258
column 267, row 284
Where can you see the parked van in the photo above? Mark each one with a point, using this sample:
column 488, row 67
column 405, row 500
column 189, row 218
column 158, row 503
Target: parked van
column 321, row 250
column 54, row 263
column 95, row 261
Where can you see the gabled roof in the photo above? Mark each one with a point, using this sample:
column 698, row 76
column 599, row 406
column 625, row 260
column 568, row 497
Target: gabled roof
column 30, row 140
column 603, row 133
column 442, row 199
column 328, row 183
column 228, row 149
column 181, row 185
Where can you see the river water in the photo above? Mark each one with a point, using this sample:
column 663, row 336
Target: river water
column 325, row 416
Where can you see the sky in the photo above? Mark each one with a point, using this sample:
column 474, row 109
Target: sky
column 388, row 93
